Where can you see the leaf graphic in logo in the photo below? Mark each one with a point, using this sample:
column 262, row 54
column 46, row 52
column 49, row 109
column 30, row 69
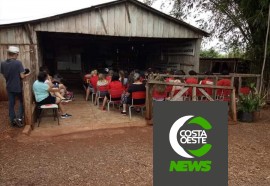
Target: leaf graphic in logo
column 201, row 122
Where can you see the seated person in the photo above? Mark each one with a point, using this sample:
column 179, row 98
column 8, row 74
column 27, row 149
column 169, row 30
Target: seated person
column 123, row 79
column 53, row 83
column 191, row 80
column 114, row 85
column 42, row 93
column 224, row 93
column 86, row 80
column 92, row 84
column 134, row 87
column 169, row 79
column 208, row 81
column 102, row 87
column 175, row 88
column 159, row 90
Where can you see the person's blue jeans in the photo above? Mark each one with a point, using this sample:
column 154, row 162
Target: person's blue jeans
column 11, row 104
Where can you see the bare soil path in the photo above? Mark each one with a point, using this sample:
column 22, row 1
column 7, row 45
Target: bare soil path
column 121, row 156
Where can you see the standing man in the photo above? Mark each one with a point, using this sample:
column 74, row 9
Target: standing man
column 13, row 71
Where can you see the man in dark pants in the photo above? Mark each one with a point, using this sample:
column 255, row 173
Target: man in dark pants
column 13, row 71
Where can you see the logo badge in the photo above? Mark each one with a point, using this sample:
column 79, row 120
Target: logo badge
column 190, row 136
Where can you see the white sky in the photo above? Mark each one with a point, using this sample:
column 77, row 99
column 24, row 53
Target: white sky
column 12, row 11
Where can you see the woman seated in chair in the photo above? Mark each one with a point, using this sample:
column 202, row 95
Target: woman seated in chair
column 114, row 86
column 159, row 90
column 134, row 87
column 42, row 93
column 177, row 79
column 102, row 87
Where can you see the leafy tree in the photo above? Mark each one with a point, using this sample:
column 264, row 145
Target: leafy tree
column 240, row 24
column 211, row 53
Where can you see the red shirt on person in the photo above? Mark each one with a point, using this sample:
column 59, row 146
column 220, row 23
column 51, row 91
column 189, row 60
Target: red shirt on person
column 191, row 80
column 169, row 87
column 206, row 81
column 93, row 81
column 224, row 92
column 159, row 95
column 116, row 85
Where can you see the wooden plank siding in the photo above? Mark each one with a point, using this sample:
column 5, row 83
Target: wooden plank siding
column 142, row 24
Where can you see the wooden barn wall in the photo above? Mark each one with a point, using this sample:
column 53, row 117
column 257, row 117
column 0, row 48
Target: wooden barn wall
column 17, row 36
column 116, row 23
column 185, row 62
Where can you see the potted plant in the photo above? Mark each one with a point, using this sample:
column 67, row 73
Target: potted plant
column 249, row 104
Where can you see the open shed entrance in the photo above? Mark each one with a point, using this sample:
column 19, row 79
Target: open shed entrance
column 74, row 54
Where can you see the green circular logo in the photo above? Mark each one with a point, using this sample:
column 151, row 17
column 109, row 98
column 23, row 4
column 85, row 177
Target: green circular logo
column 190, row 136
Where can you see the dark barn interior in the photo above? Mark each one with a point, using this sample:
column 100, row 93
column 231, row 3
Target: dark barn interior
column 72, row 55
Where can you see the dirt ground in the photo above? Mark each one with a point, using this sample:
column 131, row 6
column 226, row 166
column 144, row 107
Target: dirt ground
column 120, row 156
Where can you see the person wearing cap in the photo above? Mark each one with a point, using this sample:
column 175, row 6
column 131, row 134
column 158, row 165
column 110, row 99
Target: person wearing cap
column 14, row 72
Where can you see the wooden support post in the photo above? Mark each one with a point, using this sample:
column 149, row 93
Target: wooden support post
column 258, row 83
column 239, row 85
column 102, row 20
column 206, row 94
column 27, row 90
column 126, row 6
column 233, row 105
column 149, row 102
column 29, row 32
column 232, row 81
column 215, row 90
column 194, row 96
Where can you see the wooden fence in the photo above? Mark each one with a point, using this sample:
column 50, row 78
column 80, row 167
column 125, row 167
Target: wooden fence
column 200, row 88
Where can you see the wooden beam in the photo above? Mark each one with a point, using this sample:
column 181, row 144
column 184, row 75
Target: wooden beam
column 102, row 20
column 239, row 85
column 206, row 95
column 126, row 6
column 149, row 101
column 29, row 32
column 179, row 95
column 233, row 106
column 194, row 96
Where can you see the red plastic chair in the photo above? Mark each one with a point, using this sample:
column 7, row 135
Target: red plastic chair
column 135, row 96
column 116, row 96
column 224, row 94
column 245, row 90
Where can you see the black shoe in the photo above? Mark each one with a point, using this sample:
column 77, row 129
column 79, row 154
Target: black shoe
column 18, row 122
column 124, row 113
column 64, row 116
